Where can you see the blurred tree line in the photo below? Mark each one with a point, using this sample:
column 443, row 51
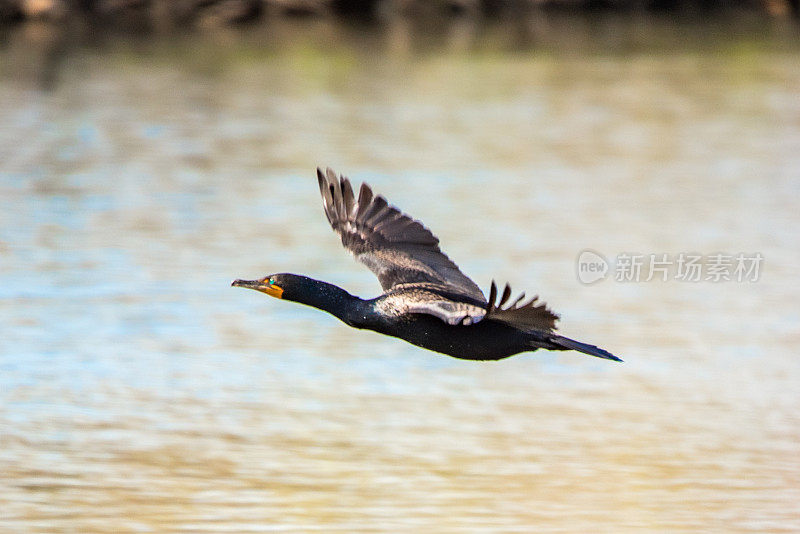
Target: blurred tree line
column 187, row 13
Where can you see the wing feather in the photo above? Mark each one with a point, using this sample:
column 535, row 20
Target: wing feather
column 528, row 315
column 364, row 202
column 347, row 196
column 451, row 312
column 428, row 299
column 397, row 248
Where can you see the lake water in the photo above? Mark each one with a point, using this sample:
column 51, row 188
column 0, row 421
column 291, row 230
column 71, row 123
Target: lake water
column 140, row 392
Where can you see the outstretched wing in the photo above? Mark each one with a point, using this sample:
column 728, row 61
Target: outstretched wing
column 398, row 249
column 525, row 316
column 422, row 298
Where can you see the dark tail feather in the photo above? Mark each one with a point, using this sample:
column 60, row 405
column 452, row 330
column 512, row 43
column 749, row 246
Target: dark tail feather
column 565, row 343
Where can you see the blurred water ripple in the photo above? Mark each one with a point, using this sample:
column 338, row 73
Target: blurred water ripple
column 139, row 392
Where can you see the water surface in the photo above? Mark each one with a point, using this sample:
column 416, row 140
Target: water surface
column 139, row 392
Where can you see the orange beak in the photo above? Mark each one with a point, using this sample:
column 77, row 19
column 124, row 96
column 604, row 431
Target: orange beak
column 273, row 290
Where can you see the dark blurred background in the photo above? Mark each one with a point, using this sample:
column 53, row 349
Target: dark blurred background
column 165, row 13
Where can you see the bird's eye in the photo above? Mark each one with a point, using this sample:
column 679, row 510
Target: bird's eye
column 271, row 281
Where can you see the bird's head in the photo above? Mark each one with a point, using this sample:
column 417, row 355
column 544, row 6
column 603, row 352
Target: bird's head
column 285, row 286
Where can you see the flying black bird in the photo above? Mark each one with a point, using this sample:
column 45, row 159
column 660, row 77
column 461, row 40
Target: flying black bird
column 427, row 300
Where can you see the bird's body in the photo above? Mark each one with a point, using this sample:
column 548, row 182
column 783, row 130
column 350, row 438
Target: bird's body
column 486, row 340
column 427, row 300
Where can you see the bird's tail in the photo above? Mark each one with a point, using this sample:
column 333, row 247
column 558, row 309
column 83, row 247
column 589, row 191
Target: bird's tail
column 565, row 343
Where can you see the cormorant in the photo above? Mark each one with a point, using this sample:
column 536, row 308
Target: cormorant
column 427, row 300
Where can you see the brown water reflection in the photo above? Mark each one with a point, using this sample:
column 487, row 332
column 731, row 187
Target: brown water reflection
column 139, row 392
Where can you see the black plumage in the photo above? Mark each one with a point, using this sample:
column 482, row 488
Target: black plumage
column 427, row 300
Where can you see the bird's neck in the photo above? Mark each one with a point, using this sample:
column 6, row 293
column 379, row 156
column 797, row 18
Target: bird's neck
column 338, row 302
